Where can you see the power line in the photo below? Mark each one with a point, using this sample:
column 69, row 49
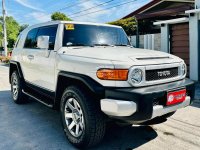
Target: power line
column 84, row 9
column 66, row 7
column 105, row 8
column 48, row 2
column 72, row 5
column 91, row 7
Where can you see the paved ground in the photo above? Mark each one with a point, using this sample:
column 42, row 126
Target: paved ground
column 34, row 126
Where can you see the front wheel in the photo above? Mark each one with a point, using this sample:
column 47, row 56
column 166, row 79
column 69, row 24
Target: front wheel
column 82, row 119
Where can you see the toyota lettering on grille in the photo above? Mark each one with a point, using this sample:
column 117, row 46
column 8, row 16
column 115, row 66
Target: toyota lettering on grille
column 164, row 73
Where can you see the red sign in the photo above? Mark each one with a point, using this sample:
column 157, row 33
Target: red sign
column 176, row 97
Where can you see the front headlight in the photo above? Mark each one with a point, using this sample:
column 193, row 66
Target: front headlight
column 136, row 76
column 184, row 69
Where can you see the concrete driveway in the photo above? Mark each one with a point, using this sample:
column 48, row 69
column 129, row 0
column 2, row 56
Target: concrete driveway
column 34, row 126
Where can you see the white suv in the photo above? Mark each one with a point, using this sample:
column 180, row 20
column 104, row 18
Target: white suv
column 92, row 74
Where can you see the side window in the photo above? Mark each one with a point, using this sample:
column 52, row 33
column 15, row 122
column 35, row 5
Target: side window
column 49, row 31
column 30, row 41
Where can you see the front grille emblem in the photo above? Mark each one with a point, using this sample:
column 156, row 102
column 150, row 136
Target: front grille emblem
column 164, row 73
column 160, row 74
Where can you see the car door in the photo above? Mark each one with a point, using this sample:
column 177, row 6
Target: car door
column 28, row 47
column 42, row 62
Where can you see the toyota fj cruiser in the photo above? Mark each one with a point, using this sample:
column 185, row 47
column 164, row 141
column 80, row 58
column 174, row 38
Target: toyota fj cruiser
column 92, row 74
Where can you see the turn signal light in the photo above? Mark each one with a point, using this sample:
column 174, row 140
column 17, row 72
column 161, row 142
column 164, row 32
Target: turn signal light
column 113, row 74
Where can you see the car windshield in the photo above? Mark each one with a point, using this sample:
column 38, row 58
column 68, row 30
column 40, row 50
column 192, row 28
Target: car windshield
column 94, row 35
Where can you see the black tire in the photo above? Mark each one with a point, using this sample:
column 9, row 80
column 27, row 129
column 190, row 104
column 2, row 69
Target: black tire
column 94, row 122
column 123, row 124
column 20, row 97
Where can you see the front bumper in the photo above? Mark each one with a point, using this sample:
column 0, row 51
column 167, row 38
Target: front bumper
column 146, row 103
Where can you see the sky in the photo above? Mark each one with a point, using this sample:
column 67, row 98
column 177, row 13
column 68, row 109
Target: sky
column 37, row 11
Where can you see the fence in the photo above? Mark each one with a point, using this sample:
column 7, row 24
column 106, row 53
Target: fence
column 148, row 41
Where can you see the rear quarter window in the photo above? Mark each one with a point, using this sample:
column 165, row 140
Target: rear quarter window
column 30, row 41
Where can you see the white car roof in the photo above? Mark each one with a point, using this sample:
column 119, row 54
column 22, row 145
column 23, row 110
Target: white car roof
column 71, row 22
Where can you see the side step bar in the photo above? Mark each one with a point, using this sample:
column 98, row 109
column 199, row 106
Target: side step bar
column 48, row 105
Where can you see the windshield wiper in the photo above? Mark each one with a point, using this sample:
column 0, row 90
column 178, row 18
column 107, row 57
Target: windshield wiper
column 76, row 44
column 122, row 45
column 103, row 45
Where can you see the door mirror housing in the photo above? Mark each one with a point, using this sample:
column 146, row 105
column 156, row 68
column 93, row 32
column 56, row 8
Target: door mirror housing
column 43, row 42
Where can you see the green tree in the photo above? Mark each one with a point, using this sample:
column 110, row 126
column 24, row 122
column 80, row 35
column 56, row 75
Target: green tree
column 129, row 25
column 60, row 16
column 13, row 29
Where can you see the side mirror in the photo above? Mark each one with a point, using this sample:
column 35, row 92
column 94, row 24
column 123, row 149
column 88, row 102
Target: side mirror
column 43, row 42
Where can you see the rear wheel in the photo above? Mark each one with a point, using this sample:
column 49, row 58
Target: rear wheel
column 82, row 119
column 16, row 88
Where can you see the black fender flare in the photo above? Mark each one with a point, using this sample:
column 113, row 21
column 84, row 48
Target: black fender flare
column 18, row 67
column 87, row 81
column 93, row 85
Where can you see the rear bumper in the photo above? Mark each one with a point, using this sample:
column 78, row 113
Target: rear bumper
column 141, row 104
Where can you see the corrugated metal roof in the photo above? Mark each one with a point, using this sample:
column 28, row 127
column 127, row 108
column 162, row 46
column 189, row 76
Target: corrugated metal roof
column 152, row 4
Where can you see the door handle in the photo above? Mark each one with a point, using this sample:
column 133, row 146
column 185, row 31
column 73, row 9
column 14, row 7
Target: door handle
column 30, row 57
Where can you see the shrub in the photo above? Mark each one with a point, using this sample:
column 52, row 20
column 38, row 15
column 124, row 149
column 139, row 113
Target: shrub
column 4, row 59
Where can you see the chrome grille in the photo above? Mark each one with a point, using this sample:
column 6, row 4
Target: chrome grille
column 160, row 74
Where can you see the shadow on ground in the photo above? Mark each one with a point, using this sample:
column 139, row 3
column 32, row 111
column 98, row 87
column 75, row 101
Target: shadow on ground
column 34, row 126
column 196, row 103
column 126, row 138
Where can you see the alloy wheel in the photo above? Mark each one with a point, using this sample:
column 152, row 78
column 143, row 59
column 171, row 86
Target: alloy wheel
column 74, row 117
column 15, row 86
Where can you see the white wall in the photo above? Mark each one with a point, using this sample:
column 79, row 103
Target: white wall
column 197, row 4
column 194, row 47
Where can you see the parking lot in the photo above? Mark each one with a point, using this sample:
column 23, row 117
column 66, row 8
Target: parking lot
column 34, row 126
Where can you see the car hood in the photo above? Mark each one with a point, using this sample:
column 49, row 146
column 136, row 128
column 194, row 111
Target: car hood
column 142, row 56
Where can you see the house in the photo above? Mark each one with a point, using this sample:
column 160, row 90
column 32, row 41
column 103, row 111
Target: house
column 158, row 10
column 178, row 22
